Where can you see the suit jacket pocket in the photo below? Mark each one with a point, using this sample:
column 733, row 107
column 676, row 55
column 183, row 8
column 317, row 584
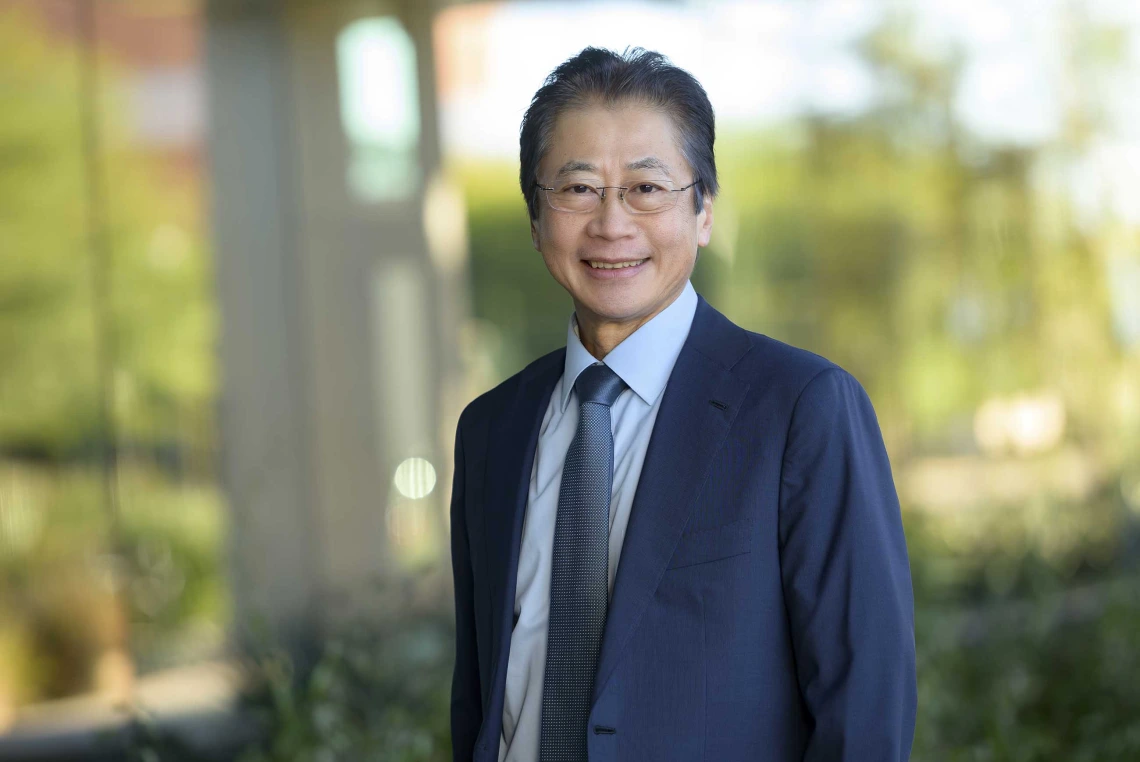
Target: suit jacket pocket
column 704, row 545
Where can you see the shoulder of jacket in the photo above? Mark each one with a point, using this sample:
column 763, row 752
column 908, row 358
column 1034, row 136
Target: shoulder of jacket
column 796, row 366
column 495, row 400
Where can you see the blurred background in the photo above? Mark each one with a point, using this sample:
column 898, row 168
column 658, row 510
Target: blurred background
column 255, row 257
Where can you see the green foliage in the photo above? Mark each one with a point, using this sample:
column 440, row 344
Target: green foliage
column 512, row 291
column 1033, row 680
column 70, row 574
column 144, row 739
column 377, row 692
column 160, row 314
column 1005, row 552
column 63, row 590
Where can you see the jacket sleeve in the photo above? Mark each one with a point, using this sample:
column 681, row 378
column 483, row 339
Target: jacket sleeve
column 846, row 577
column 466, row 705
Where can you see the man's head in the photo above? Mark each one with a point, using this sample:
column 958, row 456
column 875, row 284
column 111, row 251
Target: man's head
column 603, row 120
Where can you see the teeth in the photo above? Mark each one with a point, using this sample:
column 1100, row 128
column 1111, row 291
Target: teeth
column 617, row 266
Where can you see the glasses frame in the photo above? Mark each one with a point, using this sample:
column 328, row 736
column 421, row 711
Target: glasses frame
column 621, row 189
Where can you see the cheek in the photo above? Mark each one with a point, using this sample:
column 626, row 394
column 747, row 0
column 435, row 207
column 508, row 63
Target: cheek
column 553, row 263
column 557, row 248
column 558, row 240
column 679, row 241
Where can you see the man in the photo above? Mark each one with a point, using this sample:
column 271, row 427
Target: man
column 673, row 539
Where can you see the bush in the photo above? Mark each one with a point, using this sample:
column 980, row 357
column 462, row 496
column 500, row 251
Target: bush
column 377, row 692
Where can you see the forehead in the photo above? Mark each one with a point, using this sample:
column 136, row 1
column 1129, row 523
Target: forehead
column 609, row 138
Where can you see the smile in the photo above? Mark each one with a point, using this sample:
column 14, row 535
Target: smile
column 614, row 265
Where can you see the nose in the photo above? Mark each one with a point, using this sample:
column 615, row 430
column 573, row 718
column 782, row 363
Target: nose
column 611, row 220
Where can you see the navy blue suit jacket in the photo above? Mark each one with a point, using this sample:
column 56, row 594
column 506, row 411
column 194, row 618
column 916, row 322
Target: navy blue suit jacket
column 762, row 608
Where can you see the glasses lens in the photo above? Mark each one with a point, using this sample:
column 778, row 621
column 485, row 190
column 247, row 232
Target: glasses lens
column 640, row 196
column 649, row 197
column 576, row 197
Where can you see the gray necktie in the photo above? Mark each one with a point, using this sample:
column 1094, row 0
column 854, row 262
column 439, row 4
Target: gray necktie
column 579, row 580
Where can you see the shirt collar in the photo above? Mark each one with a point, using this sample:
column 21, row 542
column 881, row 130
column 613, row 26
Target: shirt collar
column 645, row 359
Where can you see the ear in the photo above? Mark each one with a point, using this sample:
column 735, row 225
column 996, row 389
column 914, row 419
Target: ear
column 705, row 221
column 534, row 234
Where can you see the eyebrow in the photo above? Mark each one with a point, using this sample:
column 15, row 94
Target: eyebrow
column 576, row 166
column 649, row 162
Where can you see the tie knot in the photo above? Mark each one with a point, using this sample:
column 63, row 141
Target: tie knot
column 599, row 384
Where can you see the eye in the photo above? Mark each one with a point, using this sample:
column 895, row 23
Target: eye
column 646, row 189
column 577, row 189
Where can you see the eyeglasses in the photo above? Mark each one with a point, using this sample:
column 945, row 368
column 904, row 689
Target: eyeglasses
column 648, row 197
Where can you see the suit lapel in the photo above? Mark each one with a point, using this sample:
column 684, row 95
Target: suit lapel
column 687, row 434
column 510, row 457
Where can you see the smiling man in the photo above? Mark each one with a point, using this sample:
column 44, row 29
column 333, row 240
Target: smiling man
column 673, row 539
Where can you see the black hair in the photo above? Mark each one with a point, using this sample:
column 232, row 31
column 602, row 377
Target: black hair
column 597, row 75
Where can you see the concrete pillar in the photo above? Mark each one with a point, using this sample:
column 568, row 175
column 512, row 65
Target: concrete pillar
column 339, row 318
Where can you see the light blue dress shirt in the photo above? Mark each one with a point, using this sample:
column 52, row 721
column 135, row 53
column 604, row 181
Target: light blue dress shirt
column 644, row 361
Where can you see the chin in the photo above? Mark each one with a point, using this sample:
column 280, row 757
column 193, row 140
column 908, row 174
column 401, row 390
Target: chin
column 618, row 307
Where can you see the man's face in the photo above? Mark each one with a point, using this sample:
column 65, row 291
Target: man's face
column 598, row 146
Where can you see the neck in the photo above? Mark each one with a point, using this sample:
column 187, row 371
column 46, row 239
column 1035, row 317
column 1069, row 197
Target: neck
column 599, row 335
column 599, row 339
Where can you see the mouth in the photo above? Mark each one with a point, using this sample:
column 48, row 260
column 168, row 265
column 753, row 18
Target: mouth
column 605, row 270
column 599, row 264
